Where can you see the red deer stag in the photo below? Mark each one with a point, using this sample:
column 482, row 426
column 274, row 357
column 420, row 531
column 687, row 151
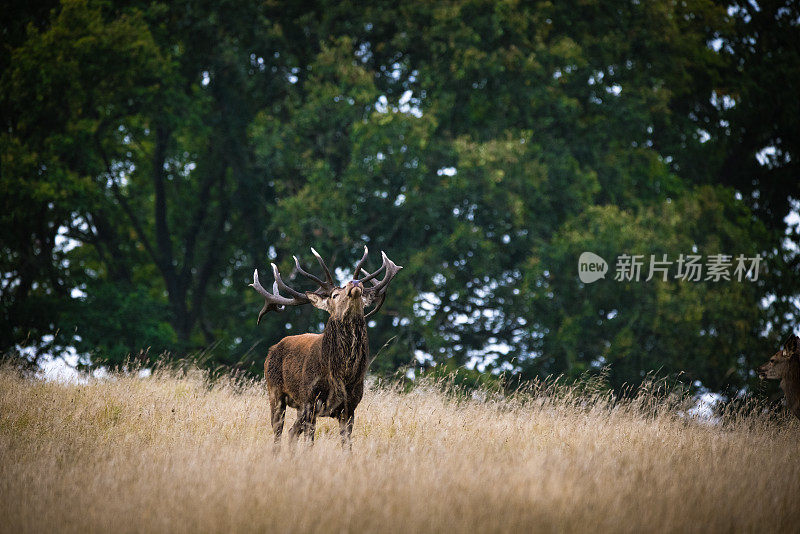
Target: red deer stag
column 785, row 366
column 322, row 374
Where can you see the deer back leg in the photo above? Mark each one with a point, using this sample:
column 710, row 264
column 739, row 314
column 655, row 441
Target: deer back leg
column 277, row 405
column 314, row 409
column 311, row 424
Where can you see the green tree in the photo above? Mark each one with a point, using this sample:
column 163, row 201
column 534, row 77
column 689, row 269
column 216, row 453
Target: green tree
column 154, row 154
column 63, row 102
column 705, row 330
column 536, row 118
column 134, row 149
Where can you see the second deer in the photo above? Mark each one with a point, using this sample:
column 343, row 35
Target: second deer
column 784, row 365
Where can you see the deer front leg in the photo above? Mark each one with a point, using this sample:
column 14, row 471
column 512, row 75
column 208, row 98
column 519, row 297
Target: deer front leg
column 346, row 417
column 306, row 422
column 299, row 424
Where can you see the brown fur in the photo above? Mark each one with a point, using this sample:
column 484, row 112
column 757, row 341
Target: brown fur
column 321, row 374
column 785, row 366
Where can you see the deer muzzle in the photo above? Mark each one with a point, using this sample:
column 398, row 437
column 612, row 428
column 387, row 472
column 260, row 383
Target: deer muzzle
column 355, row 289
column 762, row 371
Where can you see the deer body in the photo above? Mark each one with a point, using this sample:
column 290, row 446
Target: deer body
column 790, row 385
column 784, row 365
column 290, row 363
column 319, row 375
column 322, row 374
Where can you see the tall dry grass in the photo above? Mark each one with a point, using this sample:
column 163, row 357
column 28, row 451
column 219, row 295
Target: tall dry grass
column 176, row 454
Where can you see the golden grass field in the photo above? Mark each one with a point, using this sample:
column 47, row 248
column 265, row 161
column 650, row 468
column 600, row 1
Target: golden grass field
column 175, row 454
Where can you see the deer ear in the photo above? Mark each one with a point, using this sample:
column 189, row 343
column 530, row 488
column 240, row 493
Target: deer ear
column 793, row 344
column 369, row 299
column 318, row 301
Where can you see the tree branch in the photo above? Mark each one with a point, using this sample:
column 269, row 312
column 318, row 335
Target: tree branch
column 137, row 227
column 206, row 269
column 163, row 241
column 126, row 208
column 194, row 228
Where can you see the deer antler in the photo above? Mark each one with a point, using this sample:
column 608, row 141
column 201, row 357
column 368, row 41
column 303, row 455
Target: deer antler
column 324, row 287
column 360, row 263
column 378, row 289
column 276, row 302
column 391, row 270
column 381, row 298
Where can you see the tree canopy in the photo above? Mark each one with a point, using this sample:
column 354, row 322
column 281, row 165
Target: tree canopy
column 154, row 153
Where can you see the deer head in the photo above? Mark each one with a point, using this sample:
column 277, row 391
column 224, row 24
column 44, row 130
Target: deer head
column 783, row 361
column 353, row 298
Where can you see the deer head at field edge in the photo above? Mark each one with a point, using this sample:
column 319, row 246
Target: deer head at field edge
column 784, row 365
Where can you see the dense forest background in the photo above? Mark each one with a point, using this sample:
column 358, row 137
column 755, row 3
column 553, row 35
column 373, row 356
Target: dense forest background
column 155, row 153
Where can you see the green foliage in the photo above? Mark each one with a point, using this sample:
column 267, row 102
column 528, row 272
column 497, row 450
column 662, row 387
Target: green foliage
column 139, row 320
column 706, row 331
column 154, row 154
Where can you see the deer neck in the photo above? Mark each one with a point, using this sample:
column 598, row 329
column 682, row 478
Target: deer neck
column 345, row 347
column 790, row 384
